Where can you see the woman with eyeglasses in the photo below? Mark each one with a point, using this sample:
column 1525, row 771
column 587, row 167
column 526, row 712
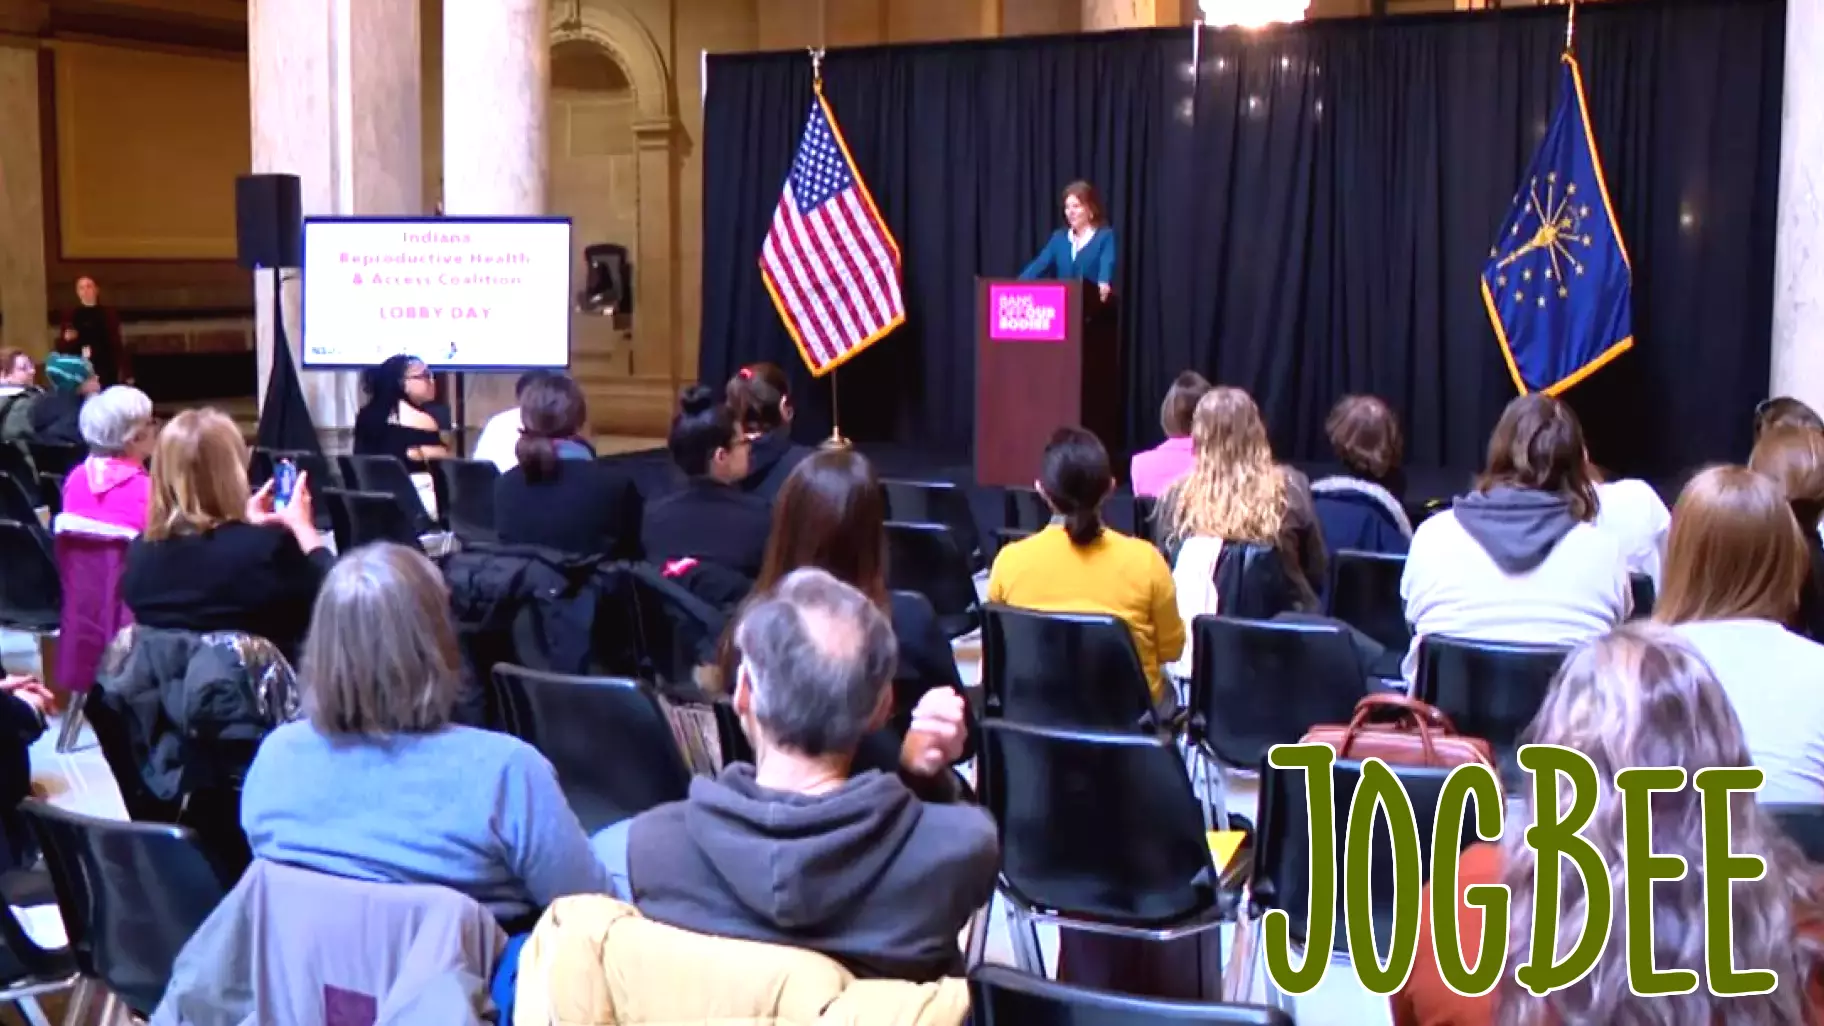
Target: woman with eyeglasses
column 711, row 519
column 399, row 418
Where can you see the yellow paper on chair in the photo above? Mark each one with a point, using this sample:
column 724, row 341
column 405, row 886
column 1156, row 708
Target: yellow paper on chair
column 1223, row 845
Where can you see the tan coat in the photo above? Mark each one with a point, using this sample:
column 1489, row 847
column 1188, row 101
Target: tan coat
column 594, row 961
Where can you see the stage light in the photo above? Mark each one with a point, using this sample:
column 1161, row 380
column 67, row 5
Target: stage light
column 1251, row 13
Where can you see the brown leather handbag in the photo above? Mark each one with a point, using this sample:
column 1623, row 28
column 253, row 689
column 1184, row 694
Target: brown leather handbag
column 1401, row 731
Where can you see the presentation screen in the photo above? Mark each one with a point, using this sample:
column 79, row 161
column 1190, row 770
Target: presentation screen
column 459, row 294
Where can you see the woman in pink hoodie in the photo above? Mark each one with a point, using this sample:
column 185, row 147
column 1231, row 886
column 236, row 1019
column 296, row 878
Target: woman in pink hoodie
column 111, row 487
column 1158, row 468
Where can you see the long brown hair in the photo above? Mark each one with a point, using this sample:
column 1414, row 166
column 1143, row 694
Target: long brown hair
column 1234, row 491
column 1538, row 445
column 830, row 514
column 1734, row 552
column 199, row 475
column 1641, row 696
column 1794, row 456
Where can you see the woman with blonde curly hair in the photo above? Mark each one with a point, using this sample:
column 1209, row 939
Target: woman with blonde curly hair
column 1639, row 696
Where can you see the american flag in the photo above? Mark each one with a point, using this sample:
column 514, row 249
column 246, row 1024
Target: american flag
column 829, row 260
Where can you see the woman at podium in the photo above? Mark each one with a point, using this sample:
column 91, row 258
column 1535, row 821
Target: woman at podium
column 1084, row 248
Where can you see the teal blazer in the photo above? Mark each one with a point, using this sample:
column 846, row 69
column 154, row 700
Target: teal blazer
column 1095, row 263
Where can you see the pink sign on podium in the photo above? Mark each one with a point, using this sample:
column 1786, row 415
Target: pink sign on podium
column 1023, row 312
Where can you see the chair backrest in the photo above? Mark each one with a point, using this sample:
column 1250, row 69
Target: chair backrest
column 1803, row 823
column 1282, row 842
column 320, row 474
column 1146, row 517
column 1489, row 689
column 937, row 502
column 926, row 558
column 31, row 594
column 677, row 630
column 18, row 500
column 1365, row 594
column 607, row 737
column 1000, row 996
column 1644, row 593
column 1260, row 683
column 1077, row 670
column 1024, row 509
column 1098, row 825
column 90, row 567
column 1251, row 581
column 55, row 457
column 385, row 475
column 1005, row 536
column 361, row 518
column 131, row 894
column 468, row 497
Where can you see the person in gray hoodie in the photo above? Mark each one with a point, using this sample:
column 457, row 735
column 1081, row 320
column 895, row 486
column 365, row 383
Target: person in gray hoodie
column 794, row 850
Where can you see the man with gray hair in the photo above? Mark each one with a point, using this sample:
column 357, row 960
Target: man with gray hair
column 794, row 850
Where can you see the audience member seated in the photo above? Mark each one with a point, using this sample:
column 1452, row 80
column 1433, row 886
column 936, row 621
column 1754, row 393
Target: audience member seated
column 1363, row 510
column 757, row 396
column 1520, row 557
column 1638, row 697
column 394, row 421
column 559, row 496
column 18, row 391
column 1794, row 458
column 111, row 487
column 23, row 701
column 831, row 516
column 213, row 557
column 378, row 784
column 1784, row 411
column 55, row 417
column 1078, row 564
column 1732, row 580
column 798, row 848
column 711, row 520
column 498, row 442
column 1154, row 470
column 1632, row 513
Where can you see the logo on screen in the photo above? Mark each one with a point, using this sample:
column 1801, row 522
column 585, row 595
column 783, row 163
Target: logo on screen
column 1026, row 313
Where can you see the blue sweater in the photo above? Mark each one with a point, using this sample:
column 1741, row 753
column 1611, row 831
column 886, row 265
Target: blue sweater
column 1096, row 261
column 471, row 810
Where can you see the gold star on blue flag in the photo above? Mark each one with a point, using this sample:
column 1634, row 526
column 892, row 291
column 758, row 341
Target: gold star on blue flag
column 1558, row 284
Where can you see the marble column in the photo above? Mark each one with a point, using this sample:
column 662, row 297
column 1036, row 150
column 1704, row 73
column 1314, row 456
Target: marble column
column 336, row 101
column 23, row 302
column 1798, row 267
column 496, row 86
column 655, row 352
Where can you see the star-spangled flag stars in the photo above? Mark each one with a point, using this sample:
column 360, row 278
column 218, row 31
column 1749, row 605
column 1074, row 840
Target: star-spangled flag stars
column 829, row 261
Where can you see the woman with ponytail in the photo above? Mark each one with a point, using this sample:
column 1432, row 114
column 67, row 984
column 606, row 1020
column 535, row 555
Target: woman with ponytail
column 710, row 519
column 1081, row 565
column 559, row 497
column 758, row 401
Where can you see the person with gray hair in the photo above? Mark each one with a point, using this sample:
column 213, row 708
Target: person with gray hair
column 794, row 850
column 111, row 487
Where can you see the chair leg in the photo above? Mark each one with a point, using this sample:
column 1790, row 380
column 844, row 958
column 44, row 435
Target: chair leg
column 77, row 1013
column 1025, row 934
column 33, row 1012
column 72, row 724
column 112, row 1010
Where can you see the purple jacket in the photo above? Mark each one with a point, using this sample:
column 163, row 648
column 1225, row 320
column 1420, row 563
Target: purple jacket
column 90, row 566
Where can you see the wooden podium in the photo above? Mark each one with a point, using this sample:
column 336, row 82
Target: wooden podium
column 1047, row 356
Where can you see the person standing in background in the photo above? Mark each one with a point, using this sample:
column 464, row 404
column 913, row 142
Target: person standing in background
column 92, row 331
column 1084, row 248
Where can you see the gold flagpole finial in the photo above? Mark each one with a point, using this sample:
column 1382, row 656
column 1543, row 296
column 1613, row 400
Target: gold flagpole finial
column 816, row 53
column 1570, row 26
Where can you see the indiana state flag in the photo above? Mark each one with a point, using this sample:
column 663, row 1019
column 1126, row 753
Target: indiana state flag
column 1558, row 282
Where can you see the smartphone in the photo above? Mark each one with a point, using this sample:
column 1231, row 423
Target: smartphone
column 284, row 483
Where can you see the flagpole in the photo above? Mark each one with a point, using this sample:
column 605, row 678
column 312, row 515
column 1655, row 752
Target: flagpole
column 1570, row 26
column 836, row 440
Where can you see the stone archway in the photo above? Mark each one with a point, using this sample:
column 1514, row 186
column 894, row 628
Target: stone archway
column 633, row 391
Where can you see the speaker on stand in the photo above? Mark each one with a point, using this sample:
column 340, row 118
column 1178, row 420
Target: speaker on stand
column 269, row 226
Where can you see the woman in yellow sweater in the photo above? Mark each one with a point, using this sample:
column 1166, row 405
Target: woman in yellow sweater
column 1080, row 565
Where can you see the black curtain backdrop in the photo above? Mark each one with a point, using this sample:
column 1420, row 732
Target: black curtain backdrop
column 1301, row 212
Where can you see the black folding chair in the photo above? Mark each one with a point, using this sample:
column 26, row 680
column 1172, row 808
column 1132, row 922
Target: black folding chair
column 1024, row 509
column 1074, row 670
column 1146, row 518
column 18, row 501
column 608, row 738
column 386, row 475
column 1803, row 824
column 1260, row 683
column 999, row 996
column 926, row 558
column 55, row 458
column 28, row 971
column 1099, row 832
column 677, row 630
column 15, row 464
column 1489, row 689
column 937, row 502
column 1365, row 594
column 465, row 497
column 31, row 592
column 361, row 518
column 1282, row 849
column 131, row 895
column 1640, row 586
column 319, row 476
column 1005, row 536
